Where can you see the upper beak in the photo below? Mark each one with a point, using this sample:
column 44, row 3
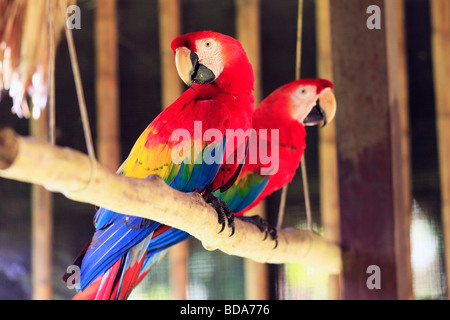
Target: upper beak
column 324, row 110
column 185, row 62
column 190, row 70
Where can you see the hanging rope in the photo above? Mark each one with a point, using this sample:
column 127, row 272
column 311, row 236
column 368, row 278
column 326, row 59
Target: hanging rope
column 51, row 73
column 303, row 164
column 306, row 194
column 298, row 56
column 78, row 84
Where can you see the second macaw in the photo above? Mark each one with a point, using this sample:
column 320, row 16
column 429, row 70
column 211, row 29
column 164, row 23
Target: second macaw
column 283, row 115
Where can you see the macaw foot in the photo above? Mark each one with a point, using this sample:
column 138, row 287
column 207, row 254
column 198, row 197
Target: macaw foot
column 225, row 215
column 263, row 226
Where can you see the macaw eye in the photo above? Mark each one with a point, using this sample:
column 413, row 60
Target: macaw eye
column 208, row 44
column 303, row 91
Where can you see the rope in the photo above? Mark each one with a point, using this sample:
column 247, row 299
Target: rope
column 51, row 74
column 78, row 85
column 298, row 57
column 303, row 164
column 282, row 207
column 306, row 195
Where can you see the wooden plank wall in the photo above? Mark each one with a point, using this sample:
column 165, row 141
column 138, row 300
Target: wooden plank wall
column 440, row 17
column 365, row 72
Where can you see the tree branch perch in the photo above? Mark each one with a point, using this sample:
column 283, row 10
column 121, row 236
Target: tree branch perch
column 82, row 179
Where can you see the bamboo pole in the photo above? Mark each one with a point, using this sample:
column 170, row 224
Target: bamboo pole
column 106, row 84
column 41, row 225
column 171, row 89
column 83, row 179
column 397, row 81
column 169, row 28
column 328, row 171
column 248, row 33
column 41, row 199
column 403, row 241
column 440, row 16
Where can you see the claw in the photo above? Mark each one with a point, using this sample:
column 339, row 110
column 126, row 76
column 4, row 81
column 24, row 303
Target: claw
column 276, row 244
column 223, row 227
column 231, row 224
column 263, row 226
column 223, row 212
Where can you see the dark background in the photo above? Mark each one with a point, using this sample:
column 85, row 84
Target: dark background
column 218, row 276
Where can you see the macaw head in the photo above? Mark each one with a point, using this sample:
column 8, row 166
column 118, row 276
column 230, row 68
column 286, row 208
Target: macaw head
column 309, row 101
column 209, row 57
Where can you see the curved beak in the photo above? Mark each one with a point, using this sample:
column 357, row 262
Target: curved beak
column 324, row 110
column 190, row 70
column 185, row 65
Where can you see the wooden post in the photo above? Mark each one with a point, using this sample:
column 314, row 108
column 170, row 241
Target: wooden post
column 328, row 171
column 171, row 89
column 369, row 144
column 41, row 199
column 248, row 33
column 403, row 241
column 440, row 16
column 107, row 92
column 169, row 28
column 41, row 225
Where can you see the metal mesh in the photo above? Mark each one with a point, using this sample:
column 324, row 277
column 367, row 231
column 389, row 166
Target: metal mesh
column 212, row 275
column 427, row 253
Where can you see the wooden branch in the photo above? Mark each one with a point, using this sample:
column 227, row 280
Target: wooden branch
column 82, row 179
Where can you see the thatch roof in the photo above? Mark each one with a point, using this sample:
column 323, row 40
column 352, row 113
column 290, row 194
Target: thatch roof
column 24, row 51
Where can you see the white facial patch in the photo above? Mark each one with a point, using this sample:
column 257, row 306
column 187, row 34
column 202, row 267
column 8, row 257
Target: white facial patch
column 303, row 100
column 209, row 54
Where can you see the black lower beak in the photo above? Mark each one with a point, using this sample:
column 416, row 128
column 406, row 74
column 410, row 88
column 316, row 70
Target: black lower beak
column 201, row 74
column 316, row 116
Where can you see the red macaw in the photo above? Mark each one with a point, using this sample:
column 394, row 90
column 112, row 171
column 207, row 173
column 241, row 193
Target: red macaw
column 173, row 146
column 279, row 123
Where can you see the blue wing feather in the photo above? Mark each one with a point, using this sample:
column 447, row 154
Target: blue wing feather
column 116, row 233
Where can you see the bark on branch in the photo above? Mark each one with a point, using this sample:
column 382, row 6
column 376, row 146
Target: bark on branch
column 81, row 179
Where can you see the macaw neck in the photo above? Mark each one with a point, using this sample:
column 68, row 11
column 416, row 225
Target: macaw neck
column 292, row 133
column 236, row 79
column 234, row 87
column 234, row 98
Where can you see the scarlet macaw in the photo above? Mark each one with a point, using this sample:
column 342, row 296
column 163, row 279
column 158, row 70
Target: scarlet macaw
column 220, row 77
column 287, row 110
